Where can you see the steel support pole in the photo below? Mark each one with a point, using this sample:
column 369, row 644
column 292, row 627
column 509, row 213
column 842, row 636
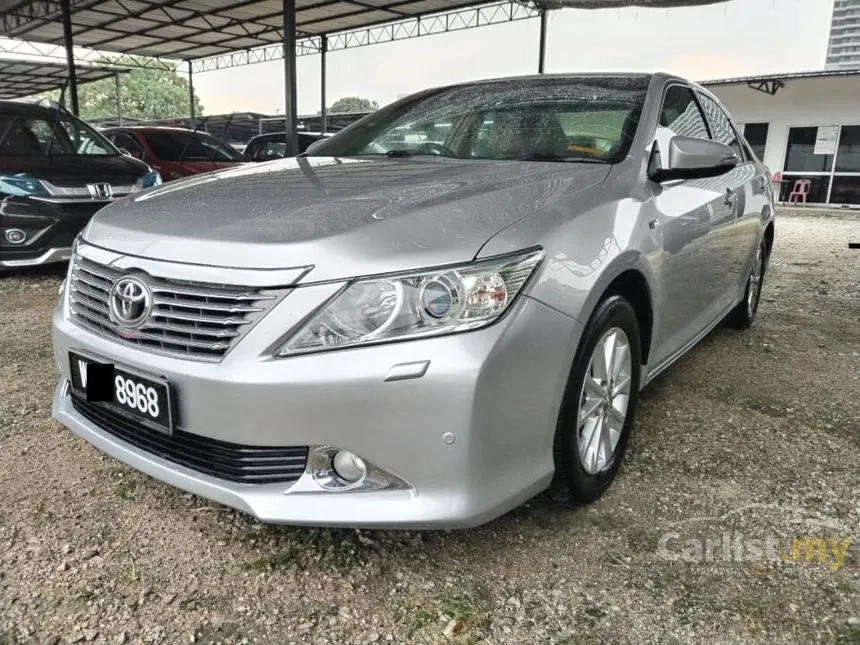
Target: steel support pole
column 323, row 109
column 191, row 96
column 290, row 106
column 68, row 41
column 118, row 100
column 542, row 49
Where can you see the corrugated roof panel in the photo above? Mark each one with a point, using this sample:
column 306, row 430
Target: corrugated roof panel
column 102, row 24
column 20, row 78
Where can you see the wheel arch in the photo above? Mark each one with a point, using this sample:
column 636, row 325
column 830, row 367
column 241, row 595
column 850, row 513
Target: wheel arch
column 629, row 276
column 769, row 233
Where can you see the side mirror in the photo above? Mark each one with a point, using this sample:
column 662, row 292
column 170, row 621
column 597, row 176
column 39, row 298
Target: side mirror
column 692, row 158
column 314, row 145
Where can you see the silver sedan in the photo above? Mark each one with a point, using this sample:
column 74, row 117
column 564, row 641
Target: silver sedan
column 425, row 320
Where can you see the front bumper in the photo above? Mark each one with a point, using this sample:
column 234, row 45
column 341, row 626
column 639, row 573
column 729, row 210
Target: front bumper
column 49, row 229
column 51, row 256
column 496, row 390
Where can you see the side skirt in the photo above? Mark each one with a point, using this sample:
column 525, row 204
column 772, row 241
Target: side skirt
column 652, row 373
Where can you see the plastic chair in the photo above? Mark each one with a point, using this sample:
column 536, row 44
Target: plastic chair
column 800, row 191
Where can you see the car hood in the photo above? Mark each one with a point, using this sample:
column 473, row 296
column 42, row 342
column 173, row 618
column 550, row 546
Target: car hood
column 76, row 170
column 344, row 217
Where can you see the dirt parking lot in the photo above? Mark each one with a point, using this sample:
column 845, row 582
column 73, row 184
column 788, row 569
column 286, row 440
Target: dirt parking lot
column 750, row 442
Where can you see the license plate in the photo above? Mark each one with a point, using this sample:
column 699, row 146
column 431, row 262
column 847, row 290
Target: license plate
column 145, row 398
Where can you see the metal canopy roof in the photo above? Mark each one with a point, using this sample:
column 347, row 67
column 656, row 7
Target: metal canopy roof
column 23, row 77
column 194, row 29
column 781, row 76
column 191, row 29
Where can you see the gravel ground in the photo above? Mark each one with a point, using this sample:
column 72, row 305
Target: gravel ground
column 754, row 433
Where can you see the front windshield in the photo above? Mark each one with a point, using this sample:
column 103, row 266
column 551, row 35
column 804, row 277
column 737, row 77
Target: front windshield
column 33, row 134
column 189, row 146
column 576, row 119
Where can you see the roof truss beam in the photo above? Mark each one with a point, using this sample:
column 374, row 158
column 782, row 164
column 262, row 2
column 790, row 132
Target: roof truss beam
column 496, row 13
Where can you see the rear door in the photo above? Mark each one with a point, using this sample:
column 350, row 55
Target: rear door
column 694, row 218
column 748, row 185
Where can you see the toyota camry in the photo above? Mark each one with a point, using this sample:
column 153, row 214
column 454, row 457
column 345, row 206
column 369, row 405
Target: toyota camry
column 441, row 311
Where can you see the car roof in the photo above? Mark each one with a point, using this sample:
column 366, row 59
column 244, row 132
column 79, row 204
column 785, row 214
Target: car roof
column 157, row 128
column 656, row 76
column 23, row 107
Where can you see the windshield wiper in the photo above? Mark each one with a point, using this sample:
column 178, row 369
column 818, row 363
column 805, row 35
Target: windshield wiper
column 549, row 156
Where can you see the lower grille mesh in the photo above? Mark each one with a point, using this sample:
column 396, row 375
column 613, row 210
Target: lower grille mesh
column 221, row 459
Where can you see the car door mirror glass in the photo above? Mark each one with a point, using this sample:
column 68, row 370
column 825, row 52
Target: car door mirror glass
column 692, row 158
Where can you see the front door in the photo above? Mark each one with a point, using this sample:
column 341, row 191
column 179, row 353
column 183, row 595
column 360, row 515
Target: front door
column 696, row 219
column 749, row 185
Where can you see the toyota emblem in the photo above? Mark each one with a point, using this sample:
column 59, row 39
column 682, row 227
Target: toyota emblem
column 130, row 301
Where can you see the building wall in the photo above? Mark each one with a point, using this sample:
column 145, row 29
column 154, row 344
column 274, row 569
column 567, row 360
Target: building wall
column 802, row 102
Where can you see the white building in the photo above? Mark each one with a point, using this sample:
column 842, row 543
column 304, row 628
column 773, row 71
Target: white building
column 843, row 49
column 803, row 126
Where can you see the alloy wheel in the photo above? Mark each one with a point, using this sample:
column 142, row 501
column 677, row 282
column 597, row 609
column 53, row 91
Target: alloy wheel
column 603, row 401
column 755, row 283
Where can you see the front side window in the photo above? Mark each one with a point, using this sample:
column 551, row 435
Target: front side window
column 573, row 119
column 274, row 149
column 721, row 128
column 188, row 146
column 128, row 143
column 680, row 115
column 47, row 132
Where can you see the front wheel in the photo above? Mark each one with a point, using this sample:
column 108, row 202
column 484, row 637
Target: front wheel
column 597, row 411
column 742, row 316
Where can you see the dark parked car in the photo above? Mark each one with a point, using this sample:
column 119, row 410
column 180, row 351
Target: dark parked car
column 265, row 147
column 175, row 152
column 55, row 173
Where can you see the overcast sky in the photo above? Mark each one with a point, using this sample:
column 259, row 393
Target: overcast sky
column 731, row 39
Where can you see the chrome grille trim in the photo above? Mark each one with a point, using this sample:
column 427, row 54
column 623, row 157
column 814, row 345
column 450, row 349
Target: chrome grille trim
column 195, row 320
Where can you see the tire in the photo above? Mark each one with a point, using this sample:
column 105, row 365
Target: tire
column 585, row 469
column 743, row 315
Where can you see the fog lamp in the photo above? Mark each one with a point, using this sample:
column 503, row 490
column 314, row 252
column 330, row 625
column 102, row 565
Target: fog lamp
column 15, row 236
column 348, row 466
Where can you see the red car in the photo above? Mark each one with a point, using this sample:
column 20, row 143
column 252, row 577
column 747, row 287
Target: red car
column 174, row 152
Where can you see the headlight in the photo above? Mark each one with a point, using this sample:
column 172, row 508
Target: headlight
column 148, row 180
column 413, row 305
column 21, row 186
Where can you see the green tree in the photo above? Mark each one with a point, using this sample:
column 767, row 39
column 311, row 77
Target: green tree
column 144, row 93
column 353, row 104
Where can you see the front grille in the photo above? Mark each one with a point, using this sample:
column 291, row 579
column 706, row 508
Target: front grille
column 189, row 319
column 224, row 460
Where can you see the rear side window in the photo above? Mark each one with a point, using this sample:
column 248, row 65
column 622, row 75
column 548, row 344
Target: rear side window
column 182, row 146
column 721, row 128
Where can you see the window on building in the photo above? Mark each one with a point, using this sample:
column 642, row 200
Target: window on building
column 835, row 178
column 818, row 187
column 845, row 190
column 756, row 136
column 800, row 153
column 848, row 152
